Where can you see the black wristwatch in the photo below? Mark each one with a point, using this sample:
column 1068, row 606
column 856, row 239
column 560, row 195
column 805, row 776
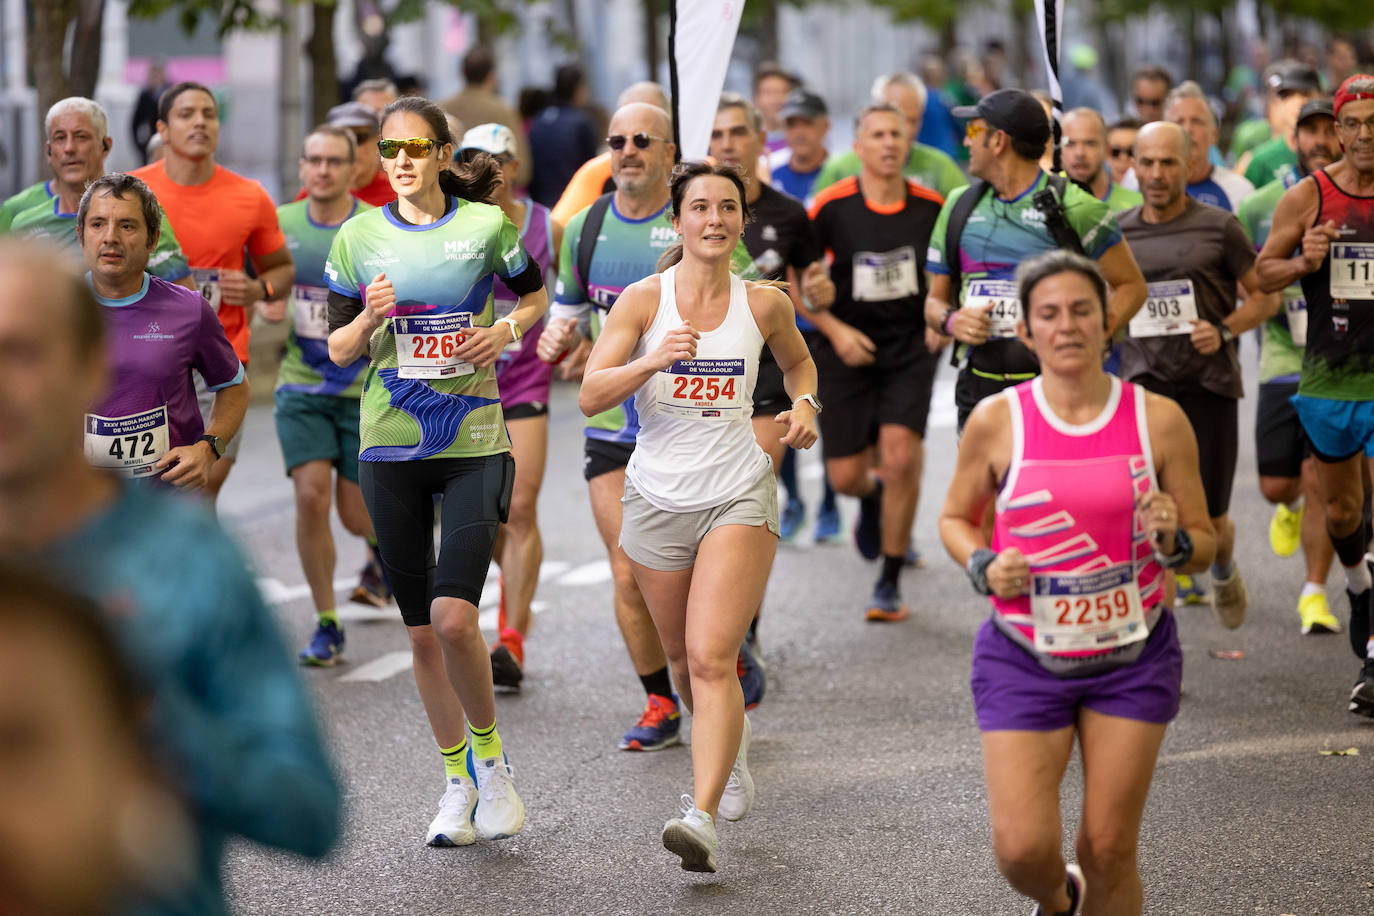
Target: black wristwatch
column 216, row 444
column 1227, row 335
column 977, row 569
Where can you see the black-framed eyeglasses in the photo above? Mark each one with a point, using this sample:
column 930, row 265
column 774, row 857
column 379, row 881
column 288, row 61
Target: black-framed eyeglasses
column 641, row 140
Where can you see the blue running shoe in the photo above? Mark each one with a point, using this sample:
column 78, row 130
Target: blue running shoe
column 657, row 728
column 751, row 677
column 326, row 646
column 886, row 605
column 828, row 526
column 792, row 518
column 868, row 530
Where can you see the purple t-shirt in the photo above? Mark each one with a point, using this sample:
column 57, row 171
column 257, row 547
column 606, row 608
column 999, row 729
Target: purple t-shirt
column 153, row 339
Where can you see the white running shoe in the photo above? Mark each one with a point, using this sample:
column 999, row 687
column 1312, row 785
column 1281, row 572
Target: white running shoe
column 693, row 837
column 452, row 826
column 500, row 812
column 738, row 797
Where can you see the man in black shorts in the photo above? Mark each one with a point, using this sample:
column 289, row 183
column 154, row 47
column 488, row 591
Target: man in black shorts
column 876, row 361
column 1182, row 343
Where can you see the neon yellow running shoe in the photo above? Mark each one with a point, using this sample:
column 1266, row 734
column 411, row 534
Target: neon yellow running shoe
column 1188, row 593
column 1285, row 530
column 1316, row 614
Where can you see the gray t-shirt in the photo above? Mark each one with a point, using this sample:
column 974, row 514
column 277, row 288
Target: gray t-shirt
column 1192, row 264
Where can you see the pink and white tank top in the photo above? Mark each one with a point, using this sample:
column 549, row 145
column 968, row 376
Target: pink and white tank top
column 1068, row 503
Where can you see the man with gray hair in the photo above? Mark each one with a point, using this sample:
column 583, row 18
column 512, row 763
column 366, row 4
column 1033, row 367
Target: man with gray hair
column 1188, row 107
column 926, row 164
column 77, row 145
column 376, row 94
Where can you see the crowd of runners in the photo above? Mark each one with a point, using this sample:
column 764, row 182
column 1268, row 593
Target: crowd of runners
column 718, row 316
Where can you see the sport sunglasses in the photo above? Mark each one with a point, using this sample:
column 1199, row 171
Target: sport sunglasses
column 641, row 140
column 415, row 147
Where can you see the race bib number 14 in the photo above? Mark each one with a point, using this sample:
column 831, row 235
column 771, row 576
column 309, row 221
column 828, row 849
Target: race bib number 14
column 702, row 389
column 311, row 304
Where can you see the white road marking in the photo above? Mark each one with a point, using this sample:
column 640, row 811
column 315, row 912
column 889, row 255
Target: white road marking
column 593, row 573
column 274, row 591
column 379, row 669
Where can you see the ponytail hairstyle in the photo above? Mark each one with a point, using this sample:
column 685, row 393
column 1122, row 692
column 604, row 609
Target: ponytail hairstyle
column 476, row 178
column 684, row 173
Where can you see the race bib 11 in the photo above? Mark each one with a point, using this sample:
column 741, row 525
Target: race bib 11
column 702, row 389
column 425, row 345
column 132, row 445
column 1170, row 308
column 1352, row 270
column 1087, row 612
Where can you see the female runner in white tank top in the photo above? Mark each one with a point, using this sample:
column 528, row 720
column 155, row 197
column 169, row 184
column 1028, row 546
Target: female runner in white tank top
column 701, row 513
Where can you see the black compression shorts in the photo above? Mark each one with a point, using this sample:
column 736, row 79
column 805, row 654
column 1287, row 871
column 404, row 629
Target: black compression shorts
column 857, row 400
column 400, row 499
column 1216, row 424
column 1280, row 443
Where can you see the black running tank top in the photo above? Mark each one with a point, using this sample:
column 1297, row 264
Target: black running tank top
column 1338, row 361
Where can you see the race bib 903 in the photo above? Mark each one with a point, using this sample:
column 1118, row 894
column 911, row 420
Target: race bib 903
column 702, row 389
column 1170, row 308
column 132, row 445
column 425, row 345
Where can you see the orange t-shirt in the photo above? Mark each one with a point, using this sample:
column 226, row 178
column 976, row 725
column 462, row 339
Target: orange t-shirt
column 587, row 184
column 215, row 222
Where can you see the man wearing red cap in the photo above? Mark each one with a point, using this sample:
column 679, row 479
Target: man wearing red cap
column 1323, row 237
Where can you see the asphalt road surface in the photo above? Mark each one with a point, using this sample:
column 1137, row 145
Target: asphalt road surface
column 865, row 755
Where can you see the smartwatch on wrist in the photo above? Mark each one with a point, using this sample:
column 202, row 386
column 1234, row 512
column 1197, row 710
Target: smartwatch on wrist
column 1183, row 551
column 977, row 569
column 216, row 445
column 810, row 399
column 1227, row 335
column 515, row 332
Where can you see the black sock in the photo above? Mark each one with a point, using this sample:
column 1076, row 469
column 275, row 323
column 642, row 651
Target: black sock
column 753, row 629
column 875, row 495
column 892, row 568
column 657, row 683
column 1350, row 548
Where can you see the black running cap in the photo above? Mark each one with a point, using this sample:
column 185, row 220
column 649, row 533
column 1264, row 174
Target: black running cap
column 1015, row 111
column 1315, row 108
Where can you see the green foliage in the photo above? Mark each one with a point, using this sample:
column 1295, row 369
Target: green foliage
column 228, row 15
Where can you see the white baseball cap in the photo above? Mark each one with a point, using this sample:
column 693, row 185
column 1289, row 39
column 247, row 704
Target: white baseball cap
column 496, row 139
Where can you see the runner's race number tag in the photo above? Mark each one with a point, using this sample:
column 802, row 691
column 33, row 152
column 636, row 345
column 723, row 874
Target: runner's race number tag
column 702, row 389
column 1170, row 308
column 1087, row 612
column 881, row 276
column 311, row 304
column 998, row 297
column 206, row 280
column 1352, row 270
column 132, row 445
column 425, row 345
column 1295, row 311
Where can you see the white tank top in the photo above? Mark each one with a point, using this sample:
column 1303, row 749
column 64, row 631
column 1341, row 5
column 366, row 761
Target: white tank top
column 696, row 447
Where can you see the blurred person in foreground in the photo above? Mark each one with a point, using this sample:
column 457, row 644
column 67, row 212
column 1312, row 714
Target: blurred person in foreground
column 226, row 707
column 65, row 688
